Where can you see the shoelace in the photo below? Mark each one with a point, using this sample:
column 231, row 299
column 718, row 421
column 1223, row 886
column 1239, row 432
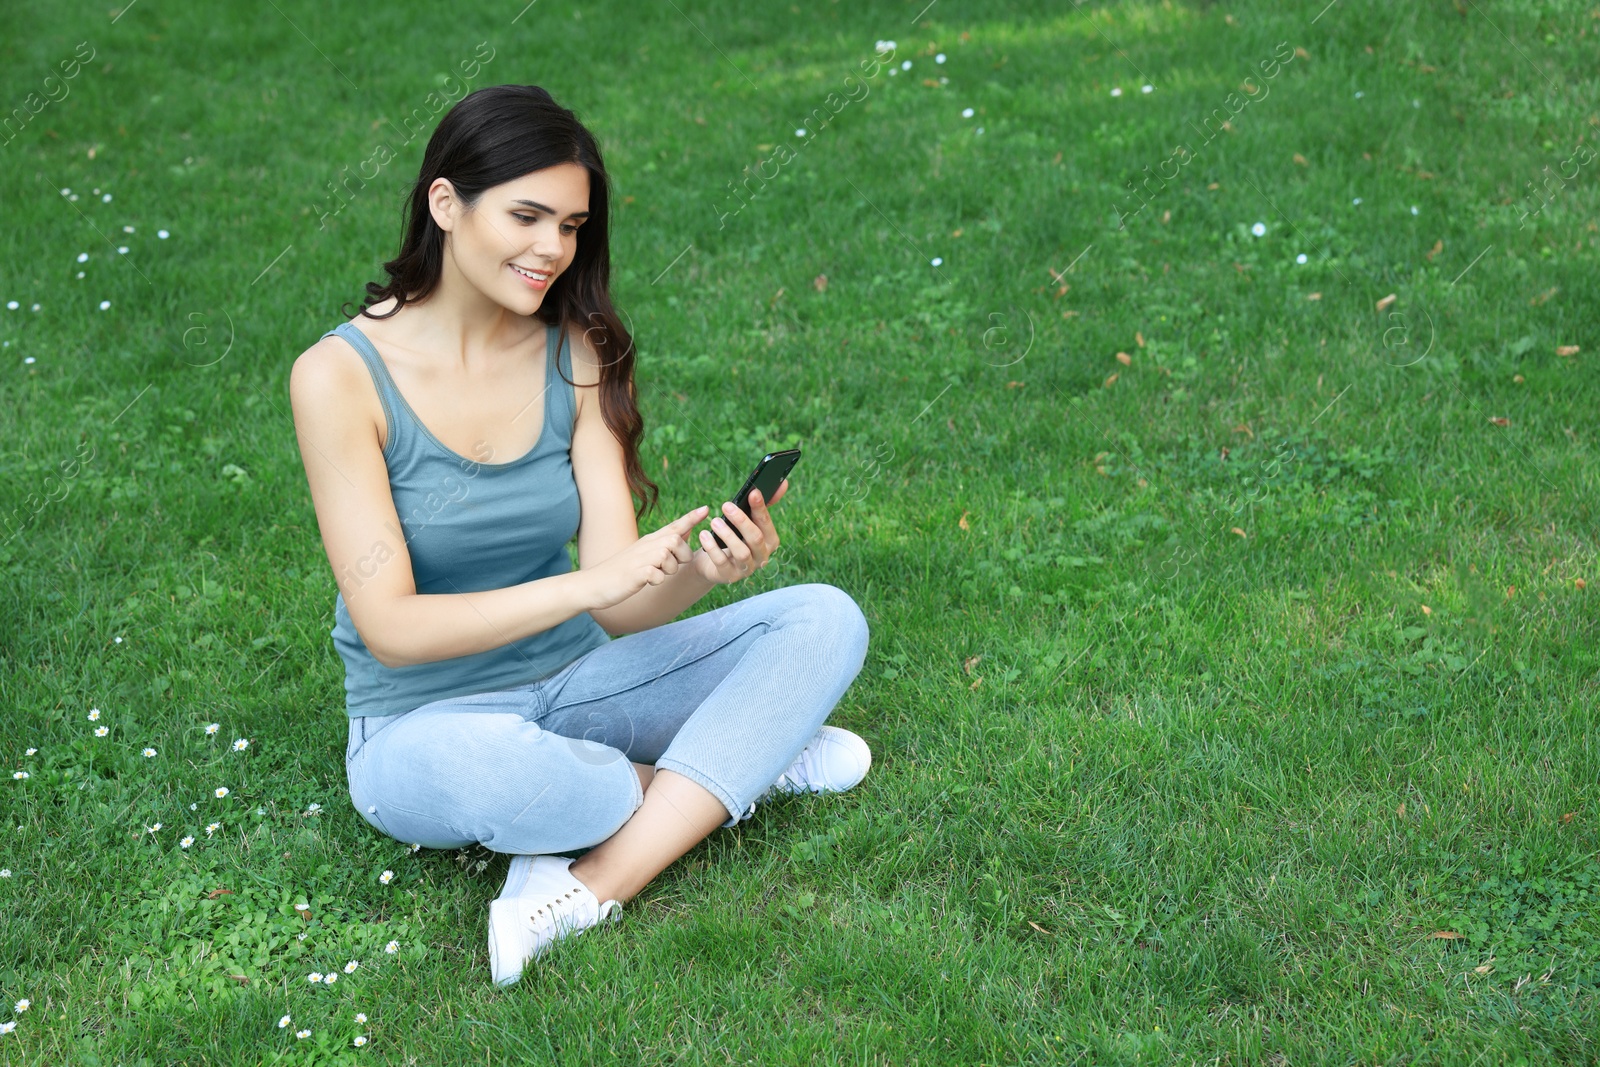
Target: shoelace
column 574, row 892
column 803, row 763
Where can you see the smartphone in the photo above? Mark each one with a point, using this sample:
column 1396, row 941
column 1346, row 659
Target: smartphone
column 768, row 475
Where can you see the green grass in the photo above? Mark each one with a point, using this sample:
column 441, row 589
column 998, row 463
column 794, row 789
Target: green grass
column 1202, row 700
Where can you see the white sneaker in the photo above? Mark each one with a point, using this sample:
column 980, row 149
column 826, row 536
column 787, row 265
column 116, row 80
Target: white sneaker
column 833, row 761
column 541, row 903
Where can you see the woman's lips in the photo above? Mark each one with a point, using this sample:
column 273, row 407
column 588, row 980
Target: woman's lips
column 538, row 284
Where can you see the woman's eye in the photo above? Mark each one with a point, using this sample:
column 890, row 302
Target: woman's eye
column 526, row 219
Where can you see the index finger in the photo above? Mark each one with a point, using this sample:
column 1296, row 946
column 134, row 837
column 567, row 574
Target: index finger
column 686, row 522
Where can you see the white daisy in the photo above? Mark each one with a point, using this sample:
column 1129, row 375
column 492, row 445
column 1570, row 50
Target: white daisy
column 1356, row 201
column 22, row 1005
column 330, row 978
column 161, row 234
column 939, row 58
column 94, row 714
column 800, row 131
column 6, row 1028
column 83, row 257
column 302, row 907
column 966, row 112
column 5, row 872
column 148, row 753
column 361, row 1017
column 313, row 808
column 314, row 977
column 127, row 229
column 283, row 1023
column 221, row 791
column 101, row 731
column 1301, row 258
column 906, row 65
column 105, row 305
column 212, row 728
column 186, row 842
column 1147, row 88
column 106, row 199
column 152, row 829
column 30, row 751
column 937, row 261
column 1414, row 210
column 392, row 947
column 20, row 775
column 416, row 848
column 122, row 250
column 1117, row 91
column 240, row 744
column 212, row 828
column 12, row 305
column 1259, row 229
column 194, row 807
column 350, row 968
column 361, row 1039
column 386, row 877
column 302, row 1034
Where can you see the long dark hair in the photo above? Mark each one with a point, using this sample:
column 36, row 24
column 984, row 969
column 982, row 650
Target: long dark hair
column 495, row 135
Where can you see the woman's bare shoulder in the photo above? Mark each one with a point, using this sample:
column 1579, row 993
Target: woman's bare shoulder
column 329, row 381
column 329, row 364
column 333, row 361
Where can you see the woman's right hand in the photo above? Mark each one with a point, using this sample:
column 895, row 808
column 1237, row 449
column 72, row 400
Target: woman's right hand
column 648, row 561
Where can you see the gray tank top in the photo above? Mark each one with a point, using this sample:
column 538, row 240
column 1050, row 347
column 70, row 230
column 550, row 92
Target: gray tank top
column 470, row 526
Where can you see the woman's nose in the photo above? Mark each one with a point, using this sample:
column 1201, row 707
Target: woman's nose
column 547, row 243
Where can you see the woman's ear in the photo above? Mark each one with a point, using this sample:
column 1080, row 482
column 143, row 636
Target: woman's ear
column 443, row 205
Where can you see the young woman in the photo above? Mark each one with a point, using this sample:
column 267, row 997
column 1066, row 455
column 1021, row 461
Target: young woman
column 476, row 415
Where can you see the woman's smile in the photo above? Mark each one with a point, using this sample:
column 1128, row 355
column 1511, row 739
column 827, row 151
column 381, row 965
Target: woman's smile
column 537, row 280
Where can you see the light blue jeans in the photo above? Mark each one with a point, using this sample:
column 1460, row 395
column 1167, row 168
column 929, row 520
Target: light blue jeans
column 727, row 698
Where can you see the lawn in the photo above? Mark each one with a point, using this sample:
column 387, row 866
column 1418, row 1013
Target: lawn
column 1199, row 400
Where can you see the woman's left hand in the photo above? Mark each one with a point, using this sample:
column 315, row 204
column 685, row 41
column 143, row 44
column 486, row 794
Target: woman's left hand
column 741, row 558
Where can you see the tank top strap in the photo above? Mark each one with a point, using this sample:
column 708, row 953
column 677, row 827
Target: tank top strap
column 562, row 408
column 388, row 391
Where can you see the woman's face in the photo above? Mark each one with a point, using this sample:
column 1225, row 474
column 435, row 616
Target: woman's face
column 524, row 227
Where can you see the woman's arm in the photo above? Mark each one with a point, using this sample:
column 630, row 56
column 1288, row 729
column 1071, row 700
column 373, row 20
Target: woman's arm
column 337, row 416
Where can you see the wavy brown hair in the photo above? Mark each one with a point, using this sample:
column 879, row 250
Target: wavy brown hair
column 494, row 136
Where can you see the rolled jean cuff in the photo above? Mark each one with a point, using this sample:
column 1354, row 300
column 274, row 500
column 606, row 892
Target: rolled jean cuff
column 735, row 812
